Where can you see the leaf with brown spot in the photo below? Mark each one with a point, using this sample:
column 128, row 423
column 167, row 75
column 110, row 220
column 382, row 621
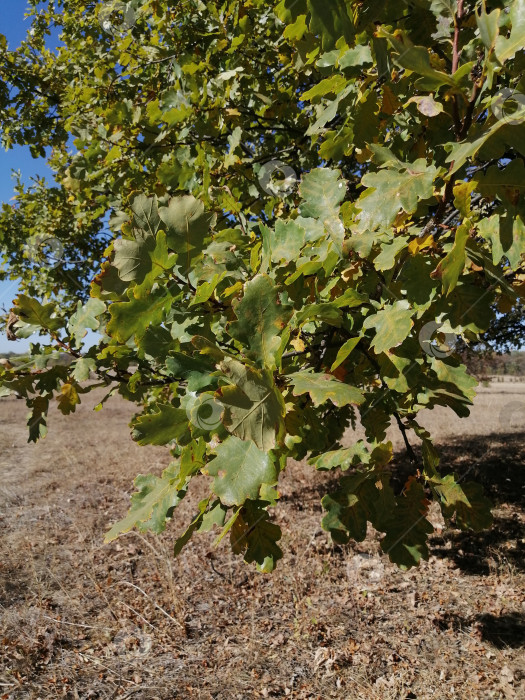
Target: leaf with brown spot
column 260, row 320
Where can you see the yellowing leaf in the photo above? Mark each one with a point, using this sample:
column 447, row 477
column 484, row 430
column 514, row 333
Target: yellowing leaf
column 421, row 243
column 451, row 267
column 426, row 105
column 68, row 399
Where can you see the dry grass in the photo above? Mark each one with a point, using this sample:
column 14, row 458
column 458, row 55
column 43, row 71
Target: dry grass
column 83, row 620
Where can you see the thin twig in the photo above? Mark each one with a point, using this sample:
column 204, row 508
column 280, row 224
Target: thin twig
column 455, row 65
column 75, row 624
column 410, row 452
column 467, row 121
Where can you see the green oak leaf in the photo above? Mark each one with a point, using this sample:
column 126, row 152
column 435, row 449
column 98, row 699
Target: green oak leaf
column 161, row 261
column 151, row 505
column 166, row 424
column 459, row 153
column 324, row 387
column 353, row 456
column 444, row 7
column 82, row 368
column 322, row 191
column 146, row 214
column 466, row 501
column 187, row 226
column 181, row 366
column 256, row 536
column 286, row 241
column 32, row 312
column 391, row 324
column 157, row 342
column 4, row 392
column 132, row 257
column 325, row 312
column 206, row 289
column 398, row 371
column 328, row 113
column 507, row 48
column 457, row 376
column 429, row 453
column 488, row 25
column 132, row 318
column 296, row 30
column 387, row 257
column 507, row 183
column 143, row 260
column 506, row 236
column 194, row 526
column 346, row 514
column 361, row 497
column 107, row 285
column 192, row 460
column 253, row 407
column 344, row 351
column 407, row 529
column 269, row 494
column 351, row 298
column 37, row 419
column 359, row 55
column 417, row 60
column 86, row 316
column 331, row 21
column 260, row 320
column 214, row 517
column 391, row 190
column 333, row 85
column 240, row 469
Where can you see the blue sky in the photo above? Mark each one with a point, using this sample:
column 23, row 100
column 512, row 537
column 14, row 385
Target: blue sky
column 14, row 27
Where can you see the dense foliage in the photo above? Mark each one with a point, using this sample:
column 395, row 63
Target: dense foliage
column 287, row 213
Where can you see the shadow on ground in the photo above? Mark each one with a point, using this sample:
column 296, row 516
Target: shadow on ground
column 501, row 631
column 497, row 461
column 482, row 552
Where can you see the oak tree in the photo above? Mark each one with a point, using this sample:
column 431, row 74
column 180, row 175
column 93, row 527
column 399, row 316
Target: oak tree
column 277, row 217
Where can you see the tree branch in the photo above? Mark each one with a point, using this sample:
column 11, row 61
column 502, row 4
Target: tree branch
column 455, row 65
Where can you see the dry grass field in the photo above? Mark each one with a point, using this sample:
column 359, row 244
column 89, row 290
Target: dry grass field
column 80, row 619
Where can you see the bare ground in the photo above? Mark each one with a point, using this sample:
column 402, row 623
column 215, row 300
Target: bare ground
column 81, row 620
